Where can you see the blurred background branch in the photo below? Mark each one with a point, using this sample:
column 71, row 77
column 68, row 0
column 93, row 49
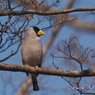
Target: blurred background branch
column 76, row 23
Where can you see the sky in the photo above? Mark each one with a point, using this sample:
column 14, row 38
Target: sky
column 56, row 84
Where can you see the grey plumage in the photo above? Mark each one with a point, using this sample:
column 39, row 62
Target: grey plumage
column 32, row 52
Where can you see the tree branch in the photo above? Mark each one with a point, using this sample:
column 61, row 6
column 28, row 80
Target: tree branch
column 5, row 13
column 46, row 71
column 24, row 87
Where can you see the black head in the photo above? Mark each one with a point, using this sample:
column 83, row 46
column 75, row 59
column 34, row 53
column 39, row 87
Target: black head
column 38, row 31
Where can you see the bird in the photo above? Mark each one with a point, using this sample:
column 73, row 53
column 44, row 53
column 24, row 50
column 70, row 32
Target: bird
column 32, row 51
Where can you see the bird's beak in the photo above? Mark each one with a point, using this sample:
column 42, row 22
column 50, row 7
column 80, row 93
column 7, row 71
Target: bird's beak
column 41, row 33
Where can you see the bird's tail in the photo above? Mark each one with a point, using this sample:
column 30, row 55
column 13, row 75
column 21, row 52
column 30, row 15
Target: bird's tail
column 35, row 83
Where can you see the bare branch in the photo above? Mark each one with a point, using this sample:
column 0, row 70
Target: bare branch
column 23, row 89
column 61, row 21
column 82, row 24
column 45, row 71
column 13, row 13
column 12, row 53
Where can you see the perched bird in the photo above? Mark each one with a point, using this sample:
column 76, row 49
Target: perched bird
column 32, row 51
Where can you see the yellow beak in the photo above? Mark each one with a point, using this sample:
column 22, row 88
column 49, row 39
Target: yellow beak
column 41, row 33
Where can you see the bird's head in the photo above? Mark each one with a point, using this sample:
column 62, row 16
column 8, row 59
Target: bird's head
column 38, row 31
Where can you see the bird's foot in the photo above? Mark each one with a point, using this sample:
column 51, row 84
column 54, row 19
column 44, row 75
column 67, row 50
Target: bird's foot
column 36, row 67
column 27, row 65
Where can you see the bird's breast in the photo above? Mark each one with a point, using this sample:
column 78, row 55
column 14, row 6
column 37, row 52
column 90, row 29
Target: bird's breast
column 32, row 52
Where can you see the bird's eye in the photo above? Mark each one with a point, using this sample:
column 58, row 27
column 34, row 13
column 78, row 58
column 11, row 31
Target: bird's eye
column 36, row 29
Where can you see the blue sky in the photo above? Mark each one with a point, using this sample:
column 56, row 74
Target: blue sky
column 51, row 84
